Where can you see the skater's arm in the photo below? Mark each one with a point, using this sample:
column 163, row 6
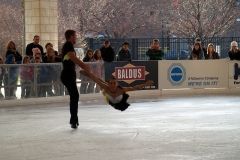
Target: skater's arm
column 138, row 87
column 77, row 61
column 96, row 79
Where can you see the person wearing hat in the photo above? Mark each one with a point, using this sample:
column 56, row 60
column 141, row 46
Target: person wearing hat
column 124, row 54
column 234, row 53
column 211, row 53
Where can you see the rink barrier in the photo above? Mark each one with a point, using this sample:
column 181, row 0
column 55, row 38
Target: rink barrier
column 180, row 78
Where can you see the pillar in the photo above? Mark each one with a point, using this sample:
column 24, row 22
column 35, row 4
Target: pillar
column 41, row 19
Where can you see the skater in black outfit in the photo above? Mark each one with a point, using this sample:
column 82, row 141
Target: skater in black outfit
column 68, row 75
column 115, row 94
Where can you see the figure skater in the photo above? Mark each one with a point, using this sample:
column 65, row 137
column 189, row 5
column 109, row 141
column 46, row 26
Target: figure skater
column 115, row 94
column 68, row 74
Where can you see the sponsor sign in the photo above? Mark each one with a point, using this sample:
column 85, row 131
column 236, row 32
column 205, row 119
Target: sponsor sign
column 193, row 74
column 234, row 74
column 133, row 73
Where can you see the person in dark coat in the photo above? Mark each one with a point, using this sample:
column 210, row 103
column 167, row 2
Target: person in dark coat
column 124, row 54
column 154, row 52
column 12, row 49
column 211, row 53
column 34, row 44
column 11, row 77
column 87, row 85
column 197, row 52
column 234, row 52
column 107, row 52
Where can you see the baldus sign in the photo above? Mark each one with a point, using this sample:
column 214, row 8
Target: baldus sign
column 130, row 73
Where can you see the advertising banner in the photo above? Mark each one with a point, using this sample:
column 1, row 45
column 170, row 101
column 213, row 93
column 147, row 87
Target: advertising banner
column 133, row 73
column 234, row 74
column 193, row 74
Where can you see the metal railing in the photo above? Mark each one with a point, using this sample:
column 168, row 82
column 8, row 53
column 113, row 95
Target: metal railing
column 18, row 81
column 174, row 48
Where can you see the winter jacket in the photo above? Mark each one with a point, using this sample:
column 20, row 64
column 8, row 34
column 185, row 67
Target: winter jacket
column 155, row 54
column 107, row 54
column 124, row 55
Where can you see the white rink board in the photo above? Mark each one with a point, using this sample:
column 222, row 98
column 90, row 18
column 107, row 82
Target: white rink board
column 234, row 74
column 193, row 74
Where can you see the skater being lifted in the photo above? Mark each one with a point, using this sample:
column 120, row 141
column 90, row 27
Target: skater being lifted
column 115, row 94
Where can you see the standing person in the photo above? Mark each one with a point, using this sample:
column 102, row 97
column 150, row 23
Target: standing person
column 68, row 75
column 87, row 85
column 99, row 68
column 26, row 76
column 234, row 52
column 34, row 44
column 11, row 78
column 154, row 52
column 12, row 49
column 107, row 52
column 197, row 52
column 124, row 54
column 41, row 72
column 2, row 73
column 49, row 47
column 211, row 53
column 51, row 56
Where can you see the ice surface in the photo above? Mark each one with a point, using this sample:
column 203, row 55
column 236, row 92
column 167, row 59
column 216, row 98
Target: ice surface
column 183, row 128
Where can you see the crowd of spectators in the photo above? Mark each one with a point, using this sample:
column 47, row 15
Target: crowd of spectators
column 47, row 76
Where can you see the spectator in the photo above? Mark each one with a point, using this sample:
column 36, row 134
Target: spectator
column 204, row 50
column 11, row 49
column 154, row 52
column 197, row 52
column 44, row 78
column 87, row 85
column 98, row 69
column 34, row 44
column 97, row 56
column 36, row 55
column 107, row 52
column 234, row 53
column 124, row 53
column 26, row 76
column 11, row 78
column 51, row 57
column 211, row 53
column 56, row 55
column 2, row 73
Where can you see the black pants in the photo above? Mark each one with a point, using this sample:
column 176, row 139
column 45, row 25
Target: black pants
column 68, row 78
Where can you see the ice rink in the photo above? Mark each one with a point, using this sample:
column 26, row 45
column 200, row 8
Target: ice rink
column 171, row 128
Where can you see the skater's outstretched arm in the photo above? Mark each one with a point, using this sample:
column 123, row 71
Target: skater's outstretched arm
column 100, row 82
column 77, row 61
column 138, row 87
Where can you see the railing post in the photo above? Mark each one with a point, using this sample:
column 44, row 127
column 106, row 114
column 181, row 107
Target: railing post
column 135, row 49
column 90, row 43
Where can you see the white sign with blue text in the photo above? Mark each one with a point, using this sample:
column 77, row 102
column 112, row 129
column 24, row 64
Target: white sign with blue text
column 193, row 74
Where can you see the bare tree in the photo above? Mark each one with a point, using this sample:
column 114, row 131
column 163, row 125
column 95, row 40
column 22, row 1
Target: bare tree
column 113, row 18
column 202, row 18
column 11, row 24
